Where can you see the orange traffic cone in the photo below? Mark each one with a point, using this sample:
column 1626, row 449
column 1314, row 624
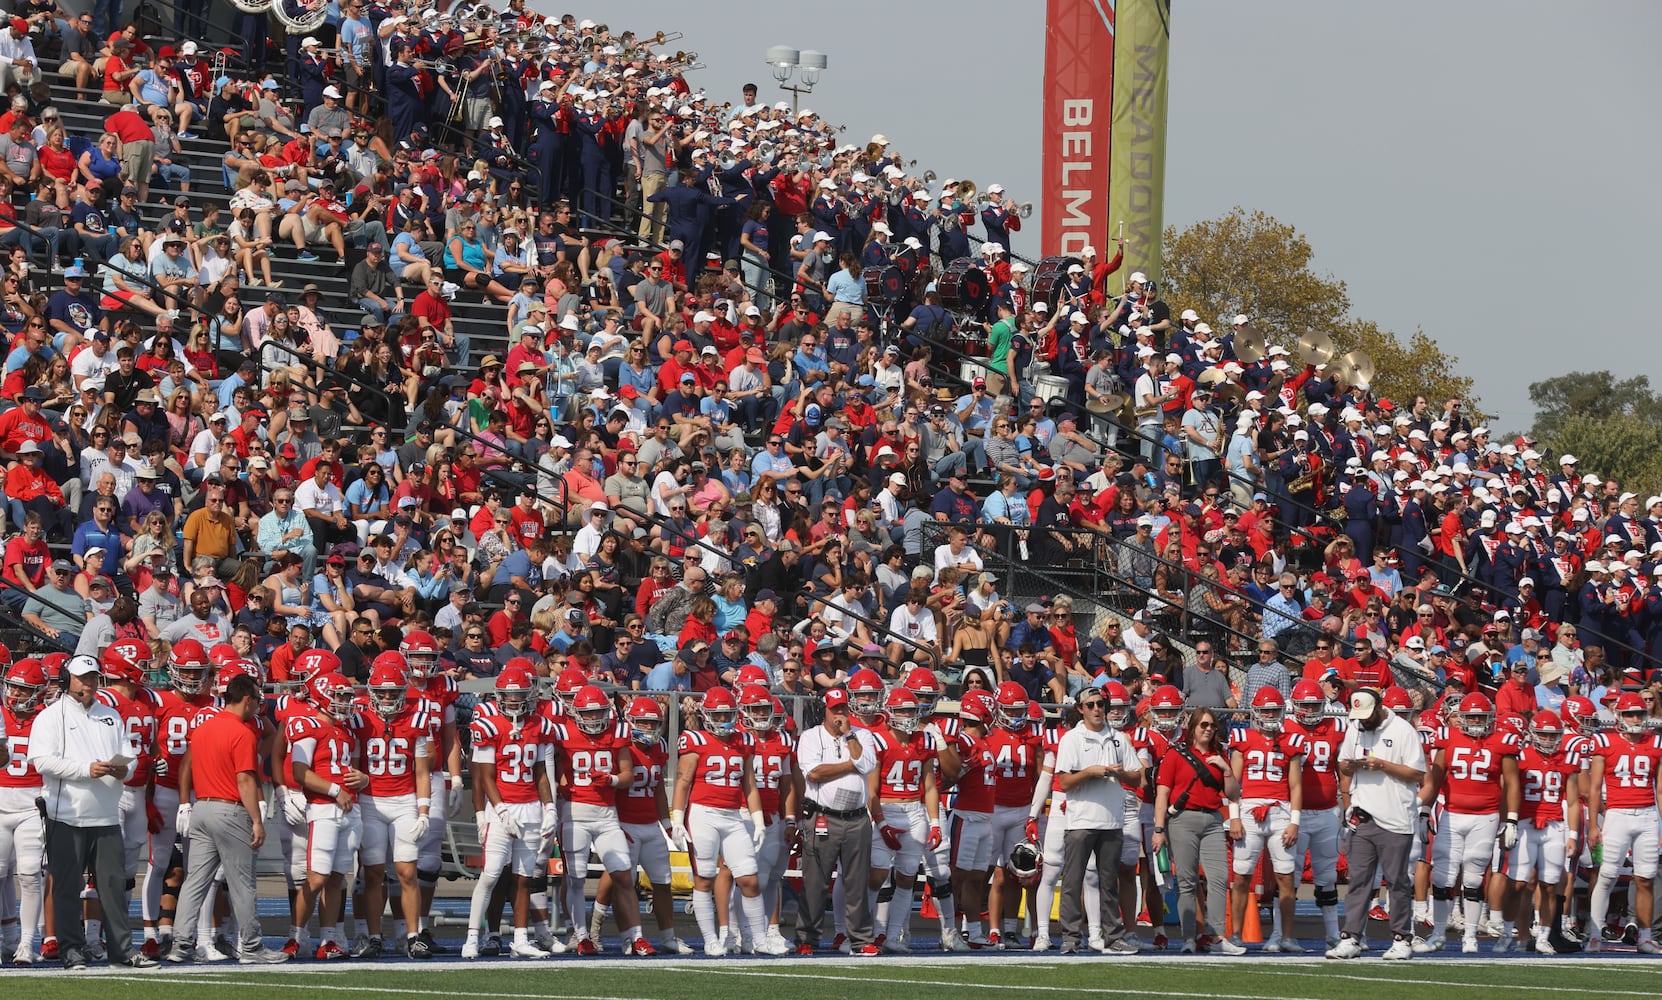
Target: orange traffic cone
column 1228, row 913
column 1252, row 932
column 927, row 909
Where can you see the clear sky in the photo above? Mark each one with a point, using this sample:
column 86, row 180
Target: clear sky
column 1484, row 170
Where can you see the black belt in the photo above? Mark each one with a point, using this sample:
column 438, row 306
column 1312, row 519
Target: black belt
column 815, row 809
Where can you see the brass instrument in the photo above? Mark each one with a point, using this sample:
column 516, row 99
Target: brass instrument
column 1026, row 210
column 929, row 176
column 966, row 191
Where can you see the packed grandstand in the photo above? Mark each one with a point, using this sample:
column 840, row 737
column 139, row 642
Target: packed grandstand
column 503, row 405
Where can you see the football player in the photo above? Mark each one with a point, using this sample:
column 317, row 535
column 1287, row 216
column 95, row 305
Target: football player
column 1269, row 764
column 123, row 668
column 22, row 843
column 779, row 783
column 972, row 814
column 323, row 754
column 1475, row 770
column 943, row 729
column 907, row 812
column 1016, row 756
column 1318, row 833
column 1623, row 815
column 1549, row 824
column 296, row 703
column 436, row 693
column 397, row 751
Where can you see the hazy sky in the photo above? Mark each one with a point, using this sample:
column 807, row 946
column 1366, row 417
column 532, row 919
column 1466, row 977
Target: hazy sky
column 1486, row 171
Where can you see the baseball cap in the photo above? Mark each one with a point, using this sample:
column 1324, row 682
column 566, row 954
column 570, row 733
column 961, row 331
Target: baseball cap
column 834, row 698
column 1362, row 705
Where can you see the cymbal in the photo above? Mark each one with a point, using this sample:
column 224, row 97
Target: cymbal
column 1315, row 348
column 1211, row 376
column 1249, row 345
column 1341, row 370
column 1113, row 402
column 1362, row 363
column 1229, row 392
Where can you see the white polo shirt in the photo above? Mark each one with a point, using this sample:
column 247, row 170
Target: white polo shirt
column 1390, row 801
column 1098, row 804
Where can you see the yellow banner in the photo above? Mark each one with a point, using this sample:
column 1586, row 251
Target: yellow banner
column 1137, row 178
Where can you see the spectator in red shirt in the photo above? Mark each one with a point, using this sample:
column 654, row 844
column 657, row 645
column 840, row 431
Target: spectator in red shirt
column 26, row 559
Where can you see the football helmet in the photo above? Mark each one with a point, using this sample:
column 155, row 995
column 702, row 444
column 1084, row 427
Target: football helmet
column 1583, row 714
column 53, row 663
column 865, row 693
column 750, row 674
column 570, row 681
column 421, row 653
column 222, row 653
column 1011, row 705
column 1167, row 709
column 1631, row 716
column 921, row 681
column 314, row 663
column 903, row 711
column 1546, row 732
column 1395, row 699
column 975, row 707
column 592, row 709
column 124, row 660
column 516, row 694
column 1268, row 710
column 1117, row 705
column 5, row 656
column 389, row 683
column 646, row 719
column 1309, row 707
column 188, row 667
column 238, row 667
column 332, row 693
column 1026, row 863
column 756, row 707
column 25, row 687
column 720, row 711
column 1476, row 715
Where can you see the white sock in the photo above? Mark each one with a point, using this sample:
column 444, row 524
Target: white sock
column 704, row 911
column 948, row 909
column 1275, row 923
column 900, row 913
column 1509, row 929
column 95, row 931
column 1473, row 910
column 756, row 916
column 522, row 935
column 1093, row 903
column 360, row 928
column 1012, row 925
column 1440, row 909
column 972, row 928
column 1044, row 898
column 1330, row 922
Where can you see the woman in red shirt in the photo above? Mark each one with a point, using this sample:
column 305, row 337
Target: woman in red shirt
column 1195, row 783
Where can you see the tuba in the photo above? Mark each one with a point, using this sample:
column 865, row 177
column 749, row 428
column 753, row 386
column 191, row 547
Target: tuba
column 252, row 6
column 301, row 16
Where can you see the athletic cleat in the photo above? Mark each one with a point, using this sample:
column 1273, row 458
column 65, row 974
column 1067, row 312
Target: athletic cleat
column 896, row 947
column 1161, row 942
column 1143, row 919
column 370, row 948
column 1649, row 947
column 221, row 949
column 804, row 948
column 180, row 954
column 526, row 949
column 952, row 941
column 1225, row 946
column 1377, row 912
column 94, row 950
column 1041, row 942
column 1491, row 928
column 642, row 948
column 715, row 949
column 151, row 949
column 470, row 949
column 1123, row 947
column 586, row 948
column 1094, row 941
column 432, row 944
column 262, row 956
column 1272, row 945
column 840, row 943
column 1468, row 946
column 995, row 940
column 23, row 956
column 329, row 951
column 1504, row 944
column 1592, row 945
column 673, row 945
column 979, row 944
column 773, row 944
column 1427, row 946
column 49, row 950
column 1346, row 948
column 1291, row 947
column 291, row 947
column 415, row 947
column 1630, row 933
column 1399, row 951
column 867, row 951
column 492, row 946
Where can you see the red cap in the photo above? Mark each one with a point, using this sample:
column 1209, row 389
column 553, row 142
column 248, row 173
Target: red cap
column 978, row 380
column 629, row 392
column 836, row 697
column 683, row 345
column 20, row 24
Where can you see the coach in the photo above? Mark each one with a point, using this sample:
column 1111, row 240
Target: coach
column 1381, row 765
column 835, row 758
column 1094, row 766
column 81, row 749
column 225, row 827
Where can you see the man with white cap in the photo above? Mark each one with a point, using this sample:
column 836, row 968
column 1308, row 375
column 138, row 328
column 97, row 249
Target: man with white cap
column 330, row 115
column 1381, row 765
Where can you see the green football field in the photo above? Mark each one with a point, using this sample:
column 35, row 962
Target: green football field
column 891, row 977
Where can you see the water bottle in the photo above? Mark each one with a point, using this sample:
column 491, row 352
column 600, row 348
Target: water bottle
column 1162, row 859
column 1598, row 855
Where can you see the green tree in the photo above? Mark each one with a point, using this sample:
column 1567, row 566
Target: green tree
column 1250, row 262
column 1597, row 395
column 1623, row 446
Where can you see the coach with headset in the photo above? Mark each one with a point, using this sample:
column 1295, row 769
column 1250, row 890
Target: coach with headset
column 80, row 747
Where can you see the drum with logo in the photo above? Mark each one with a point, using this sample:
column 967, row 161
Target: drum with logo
column 964, row 286
column 884, row 283
column 1050, row 278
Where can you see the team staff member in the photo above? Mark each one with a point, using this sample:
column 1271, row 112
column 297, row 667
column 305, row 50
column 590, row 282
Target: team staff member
column 835, row 758
column 82, row 753
column 1095, row 764
column 225, row 827
column 1381, row 766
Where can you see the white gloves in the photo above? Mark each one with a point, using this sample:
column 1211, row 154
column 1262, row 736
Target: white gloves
column 550, row 822
column 420, row 827
column 505, row 819
column 294, row 807
column 759, row 830
column 454, row 802
column 479, row 824
column 181, row 820
column 678, row 829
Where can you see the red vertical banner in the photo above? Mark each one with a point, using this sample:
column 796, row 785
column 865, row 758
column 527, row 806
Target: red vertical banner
column 1079, row 99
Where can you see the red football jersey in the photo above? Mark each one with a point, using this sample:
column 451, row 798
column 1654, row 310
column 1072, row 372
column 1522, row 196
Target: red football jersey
column 1629, row 769
column 1544, row 779
column 901, row 765
column 1473, row 768
column 138, row 715
column 516, row 757
column 718, row 775
column 980, row 775
column 1318, row 776
column 329, row 749
column 1016, row 758
column 1151, row 746
column 287, row 709
column 586, row 764
column 173, row 726
column 772, row 767
column 391, row 749
column 18, row 772
column 639, row 803
column 1266, row 760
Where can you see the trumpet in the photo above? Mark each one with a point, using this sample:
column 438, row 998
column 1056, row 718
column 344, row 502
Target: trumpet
column 966, row 191
column 1026, row 210
column 929, row 176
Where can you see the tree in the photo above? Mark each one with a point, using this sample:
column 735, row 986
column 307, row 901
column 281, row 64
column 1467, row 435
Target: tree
column 1597, row 395
column 1623, row 446
column 1255, row 264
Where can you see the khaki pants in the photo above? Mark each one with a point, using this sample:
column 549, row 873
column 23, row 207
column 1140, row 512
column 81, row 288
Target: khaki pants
column 652, row 213
column 136, row 158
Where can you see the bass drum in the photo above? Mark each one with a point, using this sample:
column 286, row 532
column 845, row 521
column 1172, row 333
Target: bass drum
column 884, row 283
column 964, row 286
column 1050, row 277
column 903, row 257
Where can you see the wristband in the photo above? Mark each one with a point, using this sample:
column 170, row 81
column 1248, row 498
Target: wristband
column 1511, row 817
column 677, row 816
column 1234, row 811
column 1293, row 818
column 424, row 803
column 757, row 821
column 334, row 791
